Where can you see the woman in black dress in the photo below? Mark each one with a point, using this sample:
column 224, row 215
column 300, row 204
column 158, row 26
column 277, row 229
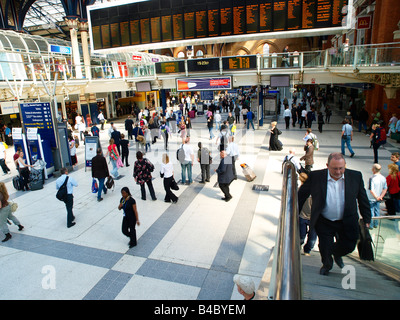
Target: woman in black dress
column 274, row 143
column 131, row 217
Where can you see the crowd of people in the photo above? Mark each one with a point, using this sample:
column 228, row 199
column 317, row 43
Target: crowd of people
column 315, row 220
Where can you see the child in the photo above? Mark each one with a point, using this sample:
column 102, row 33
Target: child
column 124, row 149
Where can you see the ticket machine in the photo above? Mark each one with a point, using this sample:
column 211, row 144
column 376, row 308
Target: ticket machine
column 19, row 140
column 40, row 150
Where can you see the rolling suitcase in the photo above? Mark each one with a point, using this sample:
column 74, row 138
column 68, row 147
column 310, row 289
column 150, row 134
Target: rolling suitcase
column 248, row 172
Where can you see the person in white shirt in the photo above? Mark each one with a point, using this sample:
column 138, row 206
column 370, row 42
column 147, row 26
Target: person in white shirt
column 303, row 118
column 187, row 164
column 69, row 201
column 3, row 164
column 217, row 118
column 167, row 171
column 377, row 188
column 286, row 114
column 232, row 151
column 293, row 159
column 101, row 119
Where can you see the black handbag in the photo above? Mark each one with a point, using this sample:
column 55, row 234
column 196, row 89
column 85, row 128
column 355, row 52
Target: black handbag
column 364, row 246
column 174, row 185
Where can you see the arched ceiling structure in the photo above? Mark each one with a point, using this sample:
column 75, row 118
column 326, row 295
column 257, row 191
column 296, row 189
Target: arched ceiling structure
column 42, row 17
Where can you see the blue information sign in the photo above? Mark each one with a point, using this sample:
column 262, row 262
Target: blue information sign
column 38, row 115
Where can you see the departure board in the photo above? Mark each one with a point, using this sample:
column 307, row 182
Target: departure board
column 241, row 62
column 201, row 23
column 166, row 28
column 170, row 67
column 157, row 21
column 211, row 64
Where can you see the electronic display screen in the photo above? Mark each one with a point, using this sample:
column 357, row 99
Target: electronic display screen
column 156, row 21
column 241, row 62
column 170, row 67
column 211, row 64
column 144, row 86
column 280, row 81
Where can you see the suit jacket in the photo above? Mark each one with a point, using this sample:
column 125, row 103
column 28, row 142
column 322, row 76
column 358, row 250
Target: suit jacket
column 316, row 186
column 225, row 172
column 99, row 167
column 309, row 156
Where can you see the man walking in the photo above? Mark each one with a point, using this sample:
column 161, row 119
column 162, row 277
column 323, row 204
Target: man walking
column 225, row 176
column 250, row 116
column 336, row 193
column 377, row 188
column 204, row 158
column 187, row 163
column 347, row 137
column 100, row 172
column 69, row 200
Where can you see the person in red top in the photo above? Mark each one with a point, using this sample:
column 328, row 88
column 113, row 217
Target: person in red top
column 393, row 183
column 112, row 152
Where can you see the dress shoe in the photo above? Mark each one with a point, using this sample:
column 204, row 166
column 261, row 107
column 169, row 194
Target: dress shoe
column 8, row 237
column 71, row 225
column 101, row 199
column 20, row 227
column 339, row 262
column 323, row 271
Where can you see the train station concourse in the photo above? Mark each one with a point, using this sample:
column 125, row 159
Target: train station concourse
column 251, row 107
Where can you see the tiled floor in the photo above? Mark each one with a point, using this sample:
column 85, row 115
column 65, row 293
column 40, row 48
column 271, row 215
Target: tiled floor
column 189, row 250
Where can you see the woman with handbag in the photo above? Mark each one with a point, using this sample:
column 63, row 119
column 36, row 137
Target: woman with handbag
column 142, row 174
column 393, row 184
column 112, row 152
column 131, row 217
column 167, row 172
column 23, row 171
column 6, row 212
column 274, row 143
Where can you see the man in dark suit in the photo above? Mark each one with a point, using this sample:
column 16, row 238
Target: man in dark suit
column 100, row 172
column 225, row 175
column 335, row 192
column 129, row 127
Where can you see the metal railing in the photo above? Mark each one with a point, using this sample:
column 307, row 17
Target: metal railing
column 286, row 275
column 29, row 66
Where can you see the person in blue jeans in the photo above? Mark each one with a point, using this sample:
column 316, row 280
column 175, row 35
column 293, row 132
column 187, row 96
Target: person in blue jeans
column 377, row 188
column 250, row 116
column 187, row 163
column 304, row 222
column 347, row 137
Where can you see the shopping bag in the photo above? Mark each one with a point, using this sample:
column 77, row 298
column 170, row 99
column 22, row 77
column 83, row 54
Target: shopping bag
column 119, row 163
column 95, row 187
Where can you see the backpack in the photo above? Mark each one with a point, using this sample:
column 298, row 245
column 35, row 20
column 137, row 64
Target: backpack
column 381, row 136
column 180, row 154
column 315, row 141
column 287, row 159
column 63, row 191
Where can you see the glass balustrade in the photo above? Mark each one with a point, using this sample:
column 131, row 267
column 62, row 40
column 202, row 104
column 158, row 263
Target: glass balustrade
column 29, row 66
column 386, row 238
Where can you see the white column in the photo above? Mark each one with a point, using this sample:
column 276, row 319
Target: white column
column 83, row 28
column 73, row 29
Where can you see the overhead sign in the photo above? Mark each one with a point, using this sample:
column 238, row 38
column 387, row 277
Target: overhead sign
column 9, row 107
column 154, row 22
column 60, row 49
column 201, row 84
column 38, row 115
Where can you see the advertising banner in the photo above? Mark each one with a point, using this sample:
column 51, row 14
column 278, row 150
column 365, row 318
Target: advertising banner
column 204, row 84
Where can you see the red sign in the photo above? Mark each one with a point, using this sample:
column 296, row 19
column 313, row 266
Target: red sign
column 363, row 22
column 137, row 58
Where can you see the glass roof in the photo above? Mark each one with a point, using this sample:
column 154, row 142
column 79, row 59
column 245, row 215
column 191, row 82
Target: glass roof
column 45, row 13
